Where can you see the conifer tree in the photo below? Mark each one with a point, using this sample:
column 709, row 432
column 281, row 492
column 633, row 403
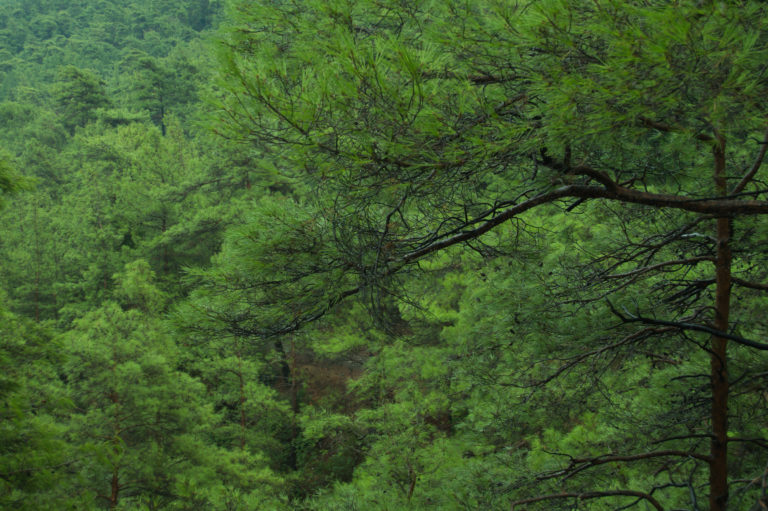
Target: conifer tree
column 78, row 94
column 428, row 126
column 144, row 427
column 34, row 459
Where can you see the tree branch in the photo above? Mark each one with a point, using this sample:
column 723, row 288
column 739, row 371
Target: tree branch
column 667, row 128
column 751, row 285
column 590, row 495
column 577, row 465
column 757, row 441
column 721, row 207
column 755, row 167
column 573, row 361
column 629, row 318
column 677, row 262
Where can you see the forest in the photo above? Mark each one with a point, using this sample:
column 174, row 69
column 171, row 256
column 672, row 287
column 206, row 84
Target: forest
column 383, row 255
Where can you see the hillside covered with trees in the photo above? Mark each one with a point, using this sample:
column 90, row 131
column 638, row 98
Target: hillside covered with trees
column 380, row 255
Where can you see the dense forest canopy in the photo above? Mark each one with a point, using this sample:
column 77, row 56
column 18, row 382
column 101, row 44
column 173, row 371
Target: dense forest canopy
column 382, row 255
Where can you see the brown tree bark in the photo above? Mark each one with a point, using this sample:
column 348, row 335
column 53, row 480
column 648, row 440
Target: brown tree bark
column 115, row 489
column 718, row 467
column 117, row 430
column 242, row 400
column 37, row 267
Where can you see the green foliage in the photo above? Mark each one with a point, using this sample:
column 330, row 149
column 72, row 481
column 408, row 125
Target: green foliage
column 34, row 459
column 135, row 288
column 112, row 195
column 246, row 284
column 78, row 94
column 10, row 181
column 143, row 425
column 419, row 127
column 160, row 86
column 263, row 289
column 39, row 38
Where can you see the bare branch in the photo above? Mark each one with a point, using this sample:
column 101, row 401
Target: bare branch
column 629, row 318
column 683, row 437
column 577, row 465
column 667, row 128
column 590, row 495
column 573, row 361
column 762, row 442
column 678, row 262
column 725, row 207
column 751, row 285
column 755, row 167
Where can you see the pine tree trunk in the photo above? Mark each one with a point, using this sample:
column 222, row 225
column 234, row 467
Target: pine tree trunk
column 242, row 400
column 37, row 267
column 115, row 489
column 117, row 430
column 718, row 469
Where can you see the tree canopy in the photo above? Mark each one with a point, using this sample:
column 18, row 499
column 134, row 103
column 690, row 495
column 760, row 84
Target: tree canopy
column 383, row 255
column 428, row 126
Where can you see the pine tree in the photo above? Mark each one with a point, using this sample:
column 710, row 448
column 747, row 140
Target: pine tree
column 429, row 126
column 34, row 459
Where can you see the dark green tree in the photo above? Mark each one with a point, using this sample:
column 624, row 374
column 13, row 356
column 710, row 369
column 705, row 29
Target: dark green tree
column 78, row 93
column 10, row 181
column 160, row 86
